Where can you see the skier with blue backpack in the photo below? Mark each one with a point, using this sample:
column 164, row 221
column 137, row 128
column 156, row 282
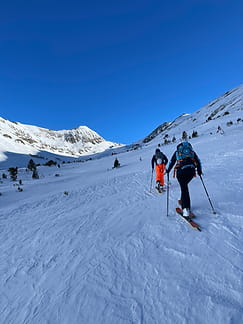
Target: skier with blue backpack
column 187, row 162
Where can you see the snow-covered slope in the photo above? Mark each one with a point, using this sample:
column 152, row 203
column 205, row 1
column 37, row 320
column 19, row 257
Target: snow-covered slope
column 90, row 244
column 105, row 252
column 223, row 112
column 27, row 139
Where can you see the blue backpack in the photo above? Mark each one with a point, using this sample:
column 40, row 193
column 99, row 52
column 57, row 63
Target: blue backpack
column 184, row 151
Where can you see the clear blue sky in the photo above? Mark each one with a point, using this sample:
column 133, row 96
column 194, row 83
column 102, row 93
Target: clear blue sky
column 121, row 68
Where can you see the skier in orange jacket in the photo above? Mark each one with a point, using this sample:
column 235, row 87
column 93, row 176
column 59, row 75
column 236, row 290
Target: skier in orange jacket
column 160, row 160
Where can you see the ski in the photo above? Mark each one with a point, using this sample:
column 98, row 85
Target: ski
column 160, row 191
column 188, row 220
column 192, row 215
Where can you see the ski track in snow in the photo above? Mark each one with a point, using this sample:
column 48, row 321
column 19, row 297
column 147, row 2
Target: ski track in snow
column 107, row 252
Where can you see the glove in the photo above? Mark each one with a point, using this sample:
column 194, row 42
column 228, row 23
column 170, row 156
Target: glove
column 199, row 172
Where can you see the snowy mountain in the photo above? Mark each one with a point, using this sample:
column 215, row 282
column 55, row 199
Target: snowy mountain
column 220, row 113
column 18, row 138
column 27, row 139
column 94, row 245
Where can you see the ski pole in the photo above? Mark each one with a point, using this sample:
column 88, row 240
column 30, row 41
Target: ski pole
column 151, row 181
column 214, row 212
column 168, row 194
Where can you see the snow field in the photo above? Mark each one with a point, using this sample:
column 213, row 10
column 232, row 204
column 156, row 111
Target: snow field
column 107, row 252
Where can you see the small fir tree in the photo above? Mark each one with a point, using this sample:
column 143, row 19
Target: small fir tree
column 31, row 165
column 35, row 174
column 194, row 134
column 13, row 173
column 184, row 136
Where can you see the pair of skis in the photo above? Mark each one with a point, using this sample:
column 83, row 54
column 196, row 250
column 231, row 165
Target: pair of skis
column 188, row 219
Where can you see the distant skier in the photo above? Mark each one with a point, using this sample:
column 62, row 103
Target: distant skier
column 160, row 160
column 116, row 163
column 187, row 162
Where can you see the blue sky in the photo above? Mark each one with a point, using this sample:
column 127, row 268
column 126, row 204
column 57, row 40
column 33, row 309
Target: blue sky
column 121, row 68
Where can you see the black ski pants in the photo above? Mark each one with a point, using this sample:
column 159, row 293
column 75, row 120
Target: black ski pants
column 184, row 176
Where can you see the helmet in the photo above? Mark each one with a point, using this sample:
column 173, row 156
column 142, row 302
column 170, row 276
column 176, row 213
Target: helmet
column 157, row 150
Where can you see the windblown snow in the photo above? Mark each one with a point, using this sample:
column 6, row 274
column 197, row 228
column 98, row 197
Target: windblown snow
column 86, row 243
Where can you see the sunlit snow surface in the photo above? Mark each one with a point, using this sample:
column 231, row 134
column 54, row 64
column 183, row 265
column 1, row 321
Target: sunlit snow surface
column 105, row 252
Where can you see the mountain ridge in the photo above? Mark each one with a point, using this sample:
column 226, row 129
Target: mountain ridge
column 217, row 113
column 221, row 112
column 22, row 138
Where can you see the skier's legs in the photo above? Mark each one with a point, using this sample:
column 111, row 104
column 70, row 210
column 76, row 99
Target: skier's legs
column 184, row 176
column 160, row 174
